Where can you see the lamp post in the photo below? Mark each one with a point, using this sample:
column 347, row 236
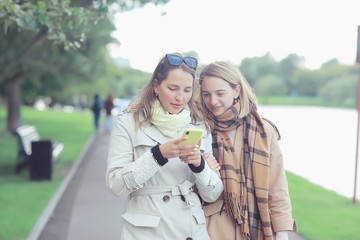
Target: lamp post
column 358, row 109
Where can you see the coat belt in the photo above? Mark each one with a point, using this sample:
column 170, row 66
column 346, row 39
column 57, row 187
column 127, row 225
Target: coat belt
column 182, row 189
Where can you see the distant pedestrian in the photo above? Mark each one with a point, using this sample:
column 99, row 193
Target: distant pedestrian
column 109, row 105
column 96, row 108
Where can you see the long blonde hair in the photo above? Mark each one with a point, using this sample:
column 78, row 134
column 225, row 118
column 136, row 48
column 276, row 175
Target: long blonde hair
column 148, row 97
column 231, row 74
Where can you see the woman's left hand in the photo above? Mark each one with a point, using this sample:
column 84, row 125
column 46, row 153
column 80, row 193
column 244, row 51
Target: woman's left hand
column 193, row 158
column 211, row 161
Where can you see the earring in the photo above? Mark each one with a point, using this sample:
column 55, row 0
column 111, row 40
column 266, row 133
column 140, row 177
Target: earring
column 156, row 94
column 236, row 100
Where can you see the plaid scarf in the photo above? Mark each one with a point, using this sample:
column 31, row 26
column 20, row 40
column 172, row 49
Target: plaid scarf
column 245, row 170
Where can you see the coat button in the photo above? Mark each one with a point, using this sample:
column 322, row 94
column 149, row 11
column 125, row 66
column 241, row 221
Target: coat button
column 188, row 238
column 183, row 198
column 166, row 198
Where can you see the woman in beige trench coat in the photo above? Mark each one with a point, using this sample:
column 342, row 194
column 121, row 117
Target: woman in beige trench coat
column 146, row 162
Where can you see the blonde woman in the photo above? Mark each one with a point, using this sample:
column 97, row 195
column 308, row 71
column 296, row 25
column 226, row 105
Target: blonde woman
column 255, row 203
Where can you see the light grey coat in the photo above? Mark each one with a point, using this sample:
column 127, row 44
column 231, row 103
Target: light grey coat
column 161, row 202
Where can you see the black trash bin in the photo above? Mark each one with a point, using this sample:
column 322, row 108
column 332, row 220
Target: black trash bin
column 41, row 164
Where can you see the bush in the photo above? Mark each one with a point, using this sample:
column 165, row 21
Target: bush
column 270, row 85
column 340, row 92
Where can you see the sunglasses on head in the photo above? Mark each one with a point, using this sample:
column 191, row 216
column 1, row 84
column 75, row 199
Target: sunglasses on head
column 176, row 60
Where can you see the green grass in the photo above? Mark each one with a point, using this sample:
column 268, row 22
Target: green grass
column 320, row 214
column 21, row 200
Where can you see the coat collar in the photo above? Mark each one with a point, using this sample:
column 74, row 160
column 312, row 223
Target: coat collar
column 152, row 131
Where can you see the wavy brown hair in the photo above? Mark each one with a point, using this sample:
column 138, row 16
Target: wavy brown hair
column 148, row 97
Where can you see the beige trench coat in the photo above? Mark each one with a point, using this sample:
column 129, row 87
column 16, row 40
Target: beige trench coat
column 161, row 203
column 222, row 227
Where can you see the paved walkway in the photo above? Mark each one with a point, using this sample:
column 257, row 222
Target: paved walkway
column 84, row 208
column 87, row 209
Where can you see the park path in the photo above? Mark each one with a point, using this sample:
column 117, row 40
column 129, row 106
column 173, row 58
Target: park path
column 86, row 209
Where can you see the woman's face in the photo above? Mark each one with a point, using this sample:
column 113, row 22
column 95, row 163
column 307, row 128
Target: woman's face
column 175, row 91
column 218, row 95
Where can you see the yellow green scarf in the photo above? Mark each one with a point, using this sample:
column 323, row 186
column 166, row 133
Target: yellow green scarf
column 169, row 124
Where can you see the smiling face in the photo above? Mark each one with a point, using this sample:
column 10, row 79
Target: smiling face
column 218, row 95
column 175, row 91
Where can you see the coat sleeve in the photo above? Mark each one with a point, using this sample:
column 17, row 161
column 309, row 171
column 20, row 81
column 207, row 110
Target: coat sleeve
column 279, row 198
column 125, row 175
column 207, row 181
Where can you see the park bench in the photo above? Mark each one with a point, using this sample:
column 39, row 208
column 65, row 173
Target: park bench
column 41, row 155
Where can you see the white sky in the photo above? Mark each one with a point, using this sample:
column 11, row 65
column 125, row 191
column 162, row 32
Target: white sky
column 318, row 30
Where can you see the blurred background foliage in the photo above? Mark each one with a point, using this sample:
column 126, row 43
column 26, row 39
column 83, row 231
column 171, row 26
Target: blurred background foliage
column 58, row 49
column 333, row 84
column 62, row 75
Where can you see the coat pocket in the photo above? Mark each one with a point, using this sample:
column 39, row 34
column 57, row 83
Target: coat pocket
column 142, row 219
column 199, row 215
column 213, row 208
column 141, row 145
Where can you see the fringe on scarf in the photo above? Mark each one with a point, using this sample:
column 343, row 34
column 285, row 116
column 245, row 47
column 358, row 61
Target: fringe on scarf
column 232, row 206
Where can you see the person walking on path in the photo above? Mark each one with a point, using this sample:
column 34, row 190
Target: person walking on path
column 255, row 203
column 109, row 105
column 144, row 161
column 96, row 108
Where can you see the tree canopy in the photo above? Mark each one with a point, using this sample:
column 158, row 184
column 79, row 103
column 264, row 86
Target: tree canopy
column 40, row 39
column 334, row 83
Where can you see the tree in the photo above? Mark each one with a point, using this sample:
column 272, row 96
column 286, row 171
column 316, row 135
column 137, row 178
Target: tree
column 340, row 91
column 35, row 22
column 26, row 24
column 333, row 69
column 256, row 67
column 51, row 68
column 287, row 67
column 306, row 82
column 270, row 85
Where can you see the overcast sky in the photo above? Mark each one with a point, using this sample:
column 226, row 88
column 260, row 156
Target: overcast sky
column 318, row 30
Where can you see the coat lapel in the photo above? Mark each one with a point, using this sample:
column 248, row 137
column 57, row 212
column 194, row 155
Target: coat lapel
column 153, row 132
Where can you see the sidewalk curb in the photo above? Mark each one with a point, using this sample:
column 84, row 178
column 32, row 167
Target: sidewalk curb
column 50, row 207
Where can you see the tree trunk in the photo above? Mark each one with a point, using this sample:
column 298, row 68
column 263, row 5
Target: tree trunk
column 14, row 119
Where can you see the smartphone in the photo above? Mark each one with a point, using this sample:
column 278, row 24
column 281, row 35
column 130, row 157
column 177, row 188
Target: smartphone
column 194, row 136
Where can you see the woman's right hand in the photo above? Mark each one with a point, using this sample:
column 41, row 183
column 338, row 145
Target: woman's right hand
column 174, row 149
column 211, row 161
